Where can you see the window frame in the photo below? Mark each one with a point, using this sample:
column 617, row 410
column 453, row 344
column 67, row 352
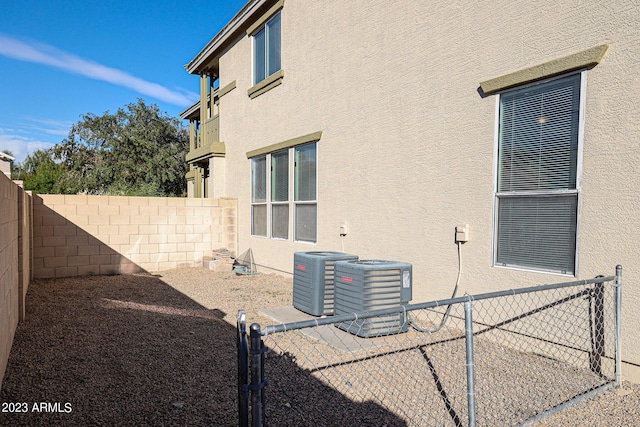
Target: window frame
column 273, row 183
column 266, row 28
column 497, row 195
column 259, row 203
column 291, row 201
column 299, row 202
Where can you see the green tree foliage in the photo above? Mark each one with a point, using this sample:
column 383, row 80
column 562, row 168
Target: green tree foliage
column 136, row 151
column 40, row 173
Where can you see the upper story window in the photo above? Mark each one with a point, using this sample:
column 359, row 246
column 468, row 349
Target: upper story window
column 266, row 49
column 537, row 176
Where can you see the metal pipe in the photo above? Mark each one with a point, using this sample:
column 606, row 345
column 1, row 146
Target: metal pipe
column 243, row 370
column 471, row 387
column 432, row 304
column 618, row 304
column 257, row 377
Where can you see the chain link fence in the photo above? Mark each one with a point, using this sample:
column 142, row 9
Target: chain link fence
column 498, row 359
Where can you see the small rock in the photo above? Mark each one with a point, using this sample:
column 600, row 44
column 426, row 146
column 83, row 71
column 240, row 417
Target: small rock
column 178, row 404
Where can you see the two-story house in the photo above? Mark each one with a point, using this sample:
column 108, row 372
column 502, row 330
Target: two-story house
column 5, row 164
column 377, row 128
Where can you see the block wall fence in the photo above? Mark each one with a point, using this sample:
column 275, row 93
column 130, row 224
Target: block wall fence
column 79, row 235
column 52, row 236
column 15, row 261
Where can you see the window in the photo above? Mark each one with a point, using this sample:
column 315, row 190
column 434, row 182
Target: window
column 537, row 186
column 275, row 215
column 306, row 205
column 280, row 195
column 259, row 196
column 266, row 49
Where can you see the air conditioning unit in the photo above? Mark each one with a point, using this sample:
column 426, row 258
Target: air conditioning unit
column 313, row 280
column 370, row 285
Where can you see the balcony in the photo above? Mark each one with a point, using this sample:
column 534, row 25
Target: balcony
column 207, row 142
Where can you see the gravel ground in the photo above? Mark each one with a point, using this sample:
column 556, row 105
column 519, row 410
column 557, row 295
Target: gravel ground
column 160, row 351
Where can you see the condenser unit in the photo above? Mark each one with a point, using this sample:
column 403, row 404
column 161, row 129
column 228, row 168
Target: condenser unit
column 370, row 285
column 313, row 280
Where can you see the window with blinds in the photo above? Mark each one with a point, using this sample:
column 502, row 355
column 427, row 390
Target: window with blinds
column 280, row 195
column 259, row 196
column 272, row 194
column 537, row 192
column 305, row 199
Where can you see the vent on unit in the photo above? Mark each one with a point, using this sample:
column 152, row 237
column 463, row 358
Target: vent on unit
column 313, row 281
column 371, row 285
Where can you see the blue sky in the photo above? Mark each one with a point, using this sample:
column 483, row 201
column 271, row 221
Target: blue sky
column 61, row 59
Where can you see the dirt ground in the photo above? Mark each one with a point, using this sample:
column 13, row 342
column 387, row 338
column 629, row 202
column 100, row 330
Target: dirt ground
column 132, row 350
column 160, row 350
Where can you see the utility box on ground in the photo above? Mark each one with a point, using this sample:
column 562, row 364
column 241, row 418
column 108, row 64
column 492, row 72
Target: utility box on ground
column 372, row 285
column 313, row 289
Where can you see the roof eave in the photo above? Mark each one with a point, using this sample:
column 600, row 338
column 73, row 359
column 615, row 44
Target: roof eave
column 7, row 156
column 226, row 35
column 191, row 112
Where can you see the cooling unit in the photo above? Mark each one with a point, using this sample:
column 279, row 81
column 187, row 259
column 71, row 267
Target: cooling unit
column 313, row 281
column 371, row 285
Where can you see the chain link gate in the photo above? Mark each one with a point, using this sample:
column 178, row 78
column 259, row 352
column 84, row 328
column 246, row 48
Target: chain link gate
column 503, row 358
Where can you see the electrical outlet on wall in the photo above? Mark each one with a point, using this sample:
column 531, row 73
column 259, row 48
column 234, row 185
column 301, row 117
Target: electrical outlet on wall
column 462, row 233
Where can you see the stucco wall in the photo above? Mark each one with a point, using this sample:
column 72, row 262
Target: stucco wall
column 76, row 235
column 8, row 268
column 407, row 150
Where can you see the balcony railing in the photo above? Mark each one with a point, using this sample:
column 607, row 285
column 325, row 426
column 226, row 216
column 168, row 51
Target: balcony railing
column 207, row 141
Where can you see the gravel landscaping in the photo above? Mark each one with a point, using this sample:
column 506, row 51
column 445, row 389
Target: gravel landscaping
column 160, row 350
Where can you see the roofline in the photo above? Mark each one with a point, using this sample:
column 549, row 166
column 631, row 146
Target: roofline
column 190, row 110
column 233, row 27
column 195, row 107
column 6, row 156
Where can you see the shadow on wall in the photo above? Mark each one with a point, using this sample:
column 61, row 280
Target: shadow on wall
column 63, row 249
column 132, row 350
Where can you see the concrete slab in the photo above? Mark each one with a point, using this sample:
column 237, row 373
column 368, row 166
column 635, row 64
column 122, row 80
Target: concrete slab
column 328, row 334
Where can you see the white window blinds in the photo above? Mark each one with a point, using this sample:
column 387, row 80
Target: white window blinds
column 537, row 195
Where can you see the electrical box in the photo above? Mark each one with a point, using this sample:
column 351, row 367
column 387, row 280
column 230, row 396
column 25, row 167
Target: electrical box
column 462, row 233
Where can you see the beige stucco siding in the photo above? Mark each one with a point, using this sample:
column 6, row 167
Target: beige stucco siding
column 407, row 149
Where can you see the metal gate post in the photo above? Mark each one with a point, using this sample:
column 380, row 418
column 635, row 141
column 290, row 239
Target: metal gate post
column 618, row 288
column 243, row 370
column 257, row 377
column 471, row 388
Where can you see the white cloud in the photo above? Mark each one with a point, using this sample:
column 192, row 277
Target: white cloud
column 44, row 54
column 20, row 146
column 50, row 126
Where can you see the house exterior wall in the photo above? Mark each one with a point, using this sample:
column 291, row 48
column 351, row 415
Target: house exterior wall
column 407, row 151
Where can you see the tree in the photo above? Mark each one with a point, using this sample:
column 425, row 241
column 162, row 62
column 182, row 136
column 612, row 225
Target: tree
column 40, row 173
column 136, row 151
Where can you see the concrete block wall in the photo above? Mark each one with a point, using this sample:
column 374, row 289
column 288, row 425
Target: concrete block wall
column 25, row 249
column 76, row 235
column 8, row 268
